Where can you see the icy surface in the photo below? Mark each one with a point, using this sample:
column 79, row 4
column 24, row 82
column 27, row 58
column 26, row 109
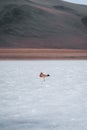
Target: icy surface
column 30, row 103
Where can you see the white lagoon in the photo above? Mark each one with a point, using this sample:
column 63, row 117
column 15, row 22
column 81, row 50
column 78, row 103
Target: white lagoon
column 30, row 103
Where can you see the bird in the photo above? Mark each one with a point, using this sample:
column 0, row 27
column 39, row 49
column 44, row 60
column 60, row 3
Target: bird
column 42, row 75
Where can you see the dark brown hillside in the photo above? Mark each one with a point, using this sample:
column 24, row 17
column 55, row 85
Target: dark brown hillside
column 42, row 24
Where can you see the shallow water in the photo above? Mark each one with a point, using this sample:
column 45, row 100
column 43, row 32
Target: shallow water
column 30, row 103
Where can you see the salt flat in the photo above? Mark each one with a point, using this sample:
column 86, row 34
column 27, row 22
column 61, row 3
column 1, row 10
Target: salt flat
column 30, row 103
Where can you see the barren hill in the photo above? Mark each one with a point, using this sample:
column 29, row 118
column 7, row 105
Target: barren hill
column 42, row 24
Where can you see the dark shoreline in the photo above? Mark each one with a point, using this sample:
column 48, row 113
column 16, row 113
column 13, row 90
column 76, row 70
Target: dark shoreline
column 41, row 54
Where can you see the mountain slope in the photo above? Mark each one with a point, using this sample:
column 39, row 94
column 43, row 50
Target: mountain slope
column 42, row 24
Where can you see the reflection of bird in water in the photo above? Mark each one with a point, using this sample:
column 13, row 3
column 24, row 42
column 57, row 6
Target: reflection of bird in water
column 42, row 75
